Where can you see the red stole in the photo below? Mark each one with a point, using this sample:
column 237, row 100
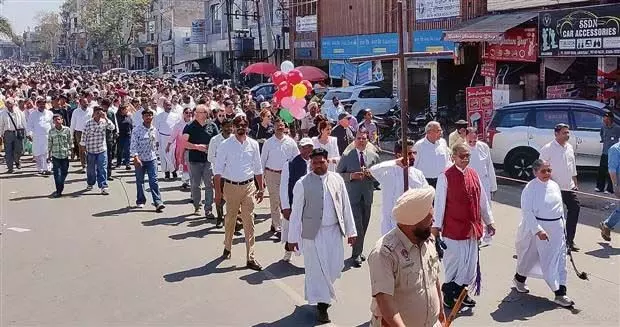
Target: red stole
column 462, row 218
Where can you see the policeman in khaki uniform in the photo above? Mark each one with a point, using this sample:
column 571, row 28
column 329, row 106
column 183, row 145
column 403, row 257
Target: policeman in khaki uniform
column 404, row 267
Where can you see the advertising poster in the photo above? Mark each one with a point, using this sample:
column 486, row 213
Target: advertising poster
column 199, row 32
column 350, row 73
column 364, row 73
column 436, row 9
column 336, row 69
column 377, row 71
column 488, row 68
column 519, row 44
column 479, row 107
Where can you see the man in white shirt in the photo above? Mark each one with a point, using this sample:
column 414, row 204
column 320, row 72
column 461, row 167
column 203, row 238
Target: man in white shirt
column 390, row 175
column 236, row 165
column 12, row 133
column 433, row 153
column 164, row 123
column 560, row 155
column 277, row 150
column 38, row 127
column 308, row 121
column 214, row 144
column 79, row 118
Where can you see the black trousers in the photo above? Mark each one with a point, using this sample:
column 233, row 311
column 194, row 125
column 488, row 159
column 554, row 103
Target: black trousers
column 572, row 215
column 361, row 215
column 111, row 154
column 602, row 178
column 432, row 182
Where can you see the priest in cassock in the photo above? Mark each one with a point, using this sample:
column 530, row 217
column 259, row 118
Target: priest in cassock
column 461, row 208
column 320, row 217
column 390, row 175
column 164, row 124
column 541, row 242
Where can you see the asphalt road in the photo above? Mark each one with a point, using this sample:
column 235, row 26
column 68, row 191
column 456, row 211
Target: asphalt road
column 91, row 260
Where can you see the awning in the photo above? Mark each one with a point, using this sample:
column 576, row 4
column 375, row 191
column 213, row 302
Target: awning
column 487, row 28
column 135, row 52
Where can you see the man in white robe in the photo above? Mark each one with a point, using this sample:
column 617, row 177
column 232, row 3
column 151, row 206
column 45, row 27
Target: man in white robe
column 390, row 175
column 164, row 123
column 38, row 126
column 320, row 217
column 481, row 162
column 541, row 242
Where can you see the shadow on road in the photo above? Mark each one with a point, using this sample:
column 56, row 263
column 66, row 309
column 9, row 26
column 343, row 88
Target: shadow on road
column 198, row 233
column 276, row 270
column 605, row 252
column 521, row 307
column 17, row 175
column 302, row 316
column 171, row 221
column 208, row 269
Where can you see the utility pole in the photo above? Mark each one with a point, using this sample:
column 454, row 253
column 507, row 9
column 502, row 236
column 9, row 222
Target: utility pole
column 267, row 13
column 402, row 80
column 231, row 54
column 260, row 33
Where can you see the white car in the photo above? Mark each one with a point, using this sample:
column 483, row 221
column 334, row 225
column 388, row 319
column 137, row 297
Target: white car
column 518, row 131
column 360, row 97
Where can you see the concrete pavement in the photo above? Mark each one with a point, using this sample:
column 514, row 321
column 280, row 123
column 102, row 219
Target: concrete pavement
column 93, row 260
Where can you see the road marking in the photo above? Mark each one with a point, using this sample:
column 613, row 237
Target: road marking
column 18, row 229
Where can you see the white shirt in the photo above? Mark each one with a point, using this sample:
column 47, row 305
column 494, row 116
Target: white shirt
column 136, row 119
column 307, row 122
column 542, row 200
column 164, row 122
column 432, row 159
column 441, row 192
column 40, row 123
column 214, row 144
column 276, row 152
column 5, row 121
column 236, row 161
column 284, row 200
column 79, row 118
column 562, row 162
column 481, row 162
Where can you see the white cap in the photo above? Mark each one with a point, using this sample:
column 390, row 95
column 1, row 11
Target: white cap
column 306, row 141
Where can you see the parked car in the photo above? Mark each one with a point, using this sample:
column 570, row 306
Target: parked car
column 267, row 90
column 361, row 97
column 517, row 131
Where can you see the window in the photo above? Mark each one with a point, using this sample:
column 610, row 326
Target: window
column 547, row 119
column 340, row 95
column 373, row 94
column 511, row 119
column 587, row 120
column 216, row 22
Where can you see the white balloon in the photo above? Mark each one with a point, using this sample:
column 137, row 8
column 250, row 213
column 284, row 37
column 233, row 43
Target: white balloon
column 286, row 66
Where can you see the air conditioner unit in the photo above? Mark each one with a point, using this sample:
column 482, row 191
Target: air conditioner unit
column 186, row 40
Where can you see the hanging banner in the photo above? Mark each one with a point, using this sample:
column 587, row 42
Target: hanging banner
column 336, row 69
column 587, row 31
column 488, row 68
column 350, row 73
column 436, row 9
column 519, row 44
column 377, row 71
column 479, row 101
column 199, row 32
column 364, row 73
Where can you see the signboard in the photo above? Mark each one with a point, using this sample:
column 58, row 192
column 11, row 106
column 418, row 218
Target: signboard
column 587, row 31
column 350, row 73
column 345, row 47
column 377, row 71
column 336, row 69
column 479, row 101
column 436, row 9
column 500, row 5
column 488, row 68
column 562, row 91
column 430, row 41
column 305, row 23
column 364, row 73
column 199, row 32
column 519, row 44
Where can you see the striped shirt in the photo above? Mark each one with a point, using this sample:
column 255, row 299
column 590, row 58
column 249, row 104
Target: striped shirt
column 93, row 136
column 60, row 142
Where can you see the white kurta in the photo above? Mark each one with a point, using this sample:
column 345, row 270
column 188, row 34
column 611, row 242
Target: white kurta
column 164, row 123
column 323, row 256
column 536, row 258
column 461, row 256
column 481, row 162
column 284, row 199
column 390, row 176
column 38, row 126
column 332, row 151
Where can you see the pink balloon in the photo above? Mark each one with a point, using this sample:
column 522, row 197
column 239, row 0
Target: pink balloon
column 300, row 104
column 298, row 113
column 288, row 102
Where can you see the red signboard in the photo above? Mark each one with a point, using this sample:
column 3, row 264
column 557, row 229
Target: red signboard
column 479, row 107
column 488, row 68
column 519, row 44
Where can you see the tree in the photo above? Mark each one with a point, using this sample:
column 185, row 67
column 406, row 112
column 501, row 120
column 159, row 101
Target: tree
column 48, row 31
column 110, row 24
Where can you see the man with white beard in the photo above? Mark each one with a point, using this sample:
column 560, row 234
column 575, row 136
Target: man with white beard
column 481, row 162
column 541, row 242
column 38, row 126
column 164, row 124
column 390, row 175
column 320, row 217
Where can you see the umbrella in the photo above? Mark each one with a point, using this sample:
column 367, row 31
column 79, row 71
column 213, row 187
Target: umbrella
column 312, row 74
column 262, row 68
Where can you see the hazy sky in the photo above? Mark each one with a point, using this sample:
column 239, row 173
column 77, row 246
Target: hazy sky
column 21, row 13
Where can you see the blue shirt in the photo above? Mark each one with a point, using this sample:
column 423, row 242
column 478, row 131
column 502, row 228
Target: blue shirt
column 613, row 159
column 143, row 143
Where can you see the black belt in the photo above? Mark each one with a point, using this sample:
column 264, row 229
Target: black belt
column 237, row 183
column 544, row 219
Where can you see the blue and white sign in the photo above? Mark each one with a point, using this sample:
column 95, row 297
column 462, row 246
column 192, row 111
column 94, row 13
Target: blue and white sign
column 436, row 9
column 364, row 73
column 345, row 47
column 350, row 73
column 336, row 69
column 430, row 41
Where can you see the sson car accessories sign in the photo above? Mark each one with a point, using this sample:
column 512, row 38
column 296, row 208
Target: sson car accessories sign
column 588, row 31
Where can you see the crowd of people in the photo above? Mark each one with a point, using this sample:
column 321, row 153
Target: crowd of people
column 321, row 173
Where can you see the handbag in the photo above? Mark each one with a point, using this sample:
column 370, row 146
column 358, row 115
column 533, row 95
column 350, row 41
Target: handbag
column 20, row 133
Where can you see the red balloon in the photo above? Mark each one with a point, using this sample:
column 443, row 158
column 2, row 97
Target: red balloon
column 308, row 85
column 278, row 95
column 278, row 77
column 286, row 89
column 295, row 77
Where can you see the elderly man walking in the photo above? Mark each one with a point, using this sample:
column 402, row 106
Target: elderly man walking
column 12, row 134
column 164, row 124
column 39, row 125
column 433, row 155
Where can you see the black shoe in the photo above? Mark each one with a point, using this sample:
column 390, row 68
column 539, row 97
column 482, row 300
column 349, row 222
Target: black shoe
column 10, row 171
column 160, row 208
column 167, row 175
column 363, row 257
column 322, row 316
column 18, row 165
column 254, row 265
column 174, row 175
column 56, row 194
column 572, row 247
column 357, row 261
column 219, row 222
column 469, row 302
column 209, row 215
column 110, row 178
column 238, row 227
column 272, row 229
column 184, row 186
column 448, row 302
column 278, row 236
column 226, row 254
column 128, row 167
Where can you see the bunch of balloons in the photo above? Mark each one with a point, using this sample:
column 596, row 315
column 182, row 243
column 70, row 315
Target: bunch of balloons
column 292, row 89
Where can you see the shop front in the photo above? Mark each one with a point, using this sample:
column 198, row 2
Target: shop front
column 580, row 48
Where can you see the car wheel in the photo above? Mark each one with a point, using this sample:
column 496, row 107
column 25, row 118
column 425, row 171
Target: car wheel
column 519, row 165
